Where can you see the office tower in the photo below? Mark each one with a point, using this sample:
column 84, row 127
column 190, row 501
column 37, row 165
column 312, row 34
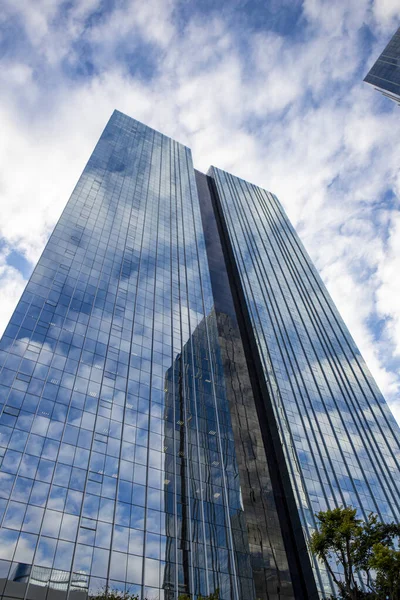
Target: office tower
column 384, row 74
column 179, row 394
column 337, row 442
column 118, row 466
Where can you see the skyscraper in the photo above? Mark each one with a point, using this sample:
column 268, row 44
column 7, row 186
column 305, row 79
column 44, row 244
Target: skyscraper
column 384, row 74
column 179, row 394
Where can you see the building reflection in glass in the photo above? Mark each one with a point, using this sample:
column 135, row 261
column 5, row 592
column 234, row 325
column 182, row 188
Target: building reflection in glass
column 203, row 466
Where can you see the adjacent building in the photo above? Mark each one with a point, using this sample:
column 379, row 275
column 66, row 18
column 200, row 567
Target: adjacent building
column 384, row 75
column 179, row 394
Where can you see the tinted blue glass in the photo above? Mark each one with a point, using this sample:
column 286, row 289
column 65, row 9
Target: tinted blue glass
column 341, row 442
column 385, row 72
column 114, row 430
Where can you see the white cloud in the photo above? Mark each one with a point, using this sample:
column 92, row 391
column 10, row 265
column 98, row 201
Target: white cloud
column 11, row 287
column 388, row 289
column 386, row 13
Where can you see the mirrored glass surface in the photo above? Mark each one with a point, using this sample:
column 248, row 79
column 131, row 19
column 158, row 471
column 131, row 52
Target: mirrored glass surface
column 340, row 440
column 114, row 433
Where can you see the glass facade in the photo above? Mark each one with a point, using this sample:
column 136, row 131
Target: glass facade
column 178, row 393
column 341, row 443
column 117, row 462
column 384, row 75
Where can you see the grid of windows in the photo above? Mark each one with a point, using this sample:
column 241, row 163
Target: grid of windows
column 341, row 442
column 117, row 465
column 385, row 72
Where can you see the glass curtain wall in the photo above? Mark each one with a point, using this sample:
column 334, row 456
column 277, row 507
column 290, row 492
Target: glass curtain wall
column 113, row 427
column 340, row 440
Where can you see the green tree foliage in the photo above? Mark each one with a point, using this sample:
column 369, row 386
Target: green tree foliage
column 365, row 553
column 386, row 563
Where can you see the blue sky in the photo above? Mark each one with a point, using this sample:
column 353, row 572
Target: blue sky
column 269, row 90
